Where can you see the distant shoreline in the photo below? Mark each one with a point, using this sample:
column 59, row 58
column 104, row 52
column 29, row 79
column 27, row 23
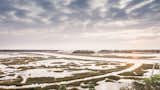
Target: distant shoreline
column 100, row 51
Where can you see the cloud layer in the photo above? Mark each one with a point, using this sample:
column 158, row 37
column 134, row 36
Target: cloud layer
column 26, row 23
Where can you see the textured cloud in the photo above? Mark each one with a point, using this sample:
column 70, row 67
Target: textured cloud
column 84, row 20
column 140, row 5
column 31, row 13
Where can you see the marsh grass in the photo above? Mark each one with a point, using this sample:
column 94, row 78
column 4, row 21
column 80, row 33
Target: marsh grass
column 152, row 83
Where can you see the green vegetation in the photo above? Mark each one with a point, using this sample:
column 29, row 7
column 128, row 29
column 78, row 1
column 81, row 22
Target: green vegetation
column 62, row 87
column 40, row 80
column 131, row 77
column 149, row 66
column 20, row 60
column 152, row 83
column 91, row 86
column 16, row 82
column 113, row 77
column 139, row 71
column 76, row 76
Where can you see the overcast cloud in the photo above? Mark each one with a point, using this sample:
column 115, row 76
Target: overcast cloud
column 79, row 24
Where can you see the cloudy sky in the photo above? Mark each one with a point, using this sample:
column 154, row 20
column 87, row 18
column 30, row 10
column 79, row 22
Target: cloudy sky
column 79, row 24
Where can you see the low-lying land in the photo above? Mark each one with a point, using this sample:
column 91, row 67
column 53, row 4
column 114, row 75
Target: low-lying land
column 37, row 71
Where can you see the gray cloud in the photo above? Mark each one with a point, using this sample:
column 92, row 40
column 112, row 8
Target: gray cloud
column 48, row 11
column 70, row 20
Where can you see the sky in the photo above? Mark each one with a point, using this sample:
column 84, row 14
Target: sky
column 80, row 24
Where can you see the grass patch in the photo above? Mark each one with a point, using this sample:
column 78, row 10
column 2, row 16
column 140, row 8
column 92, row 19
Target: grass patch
column 139, row 71
column 40, row 80
column 20, row 60
column 131, row 77
column 16, row 82
column 113, row 77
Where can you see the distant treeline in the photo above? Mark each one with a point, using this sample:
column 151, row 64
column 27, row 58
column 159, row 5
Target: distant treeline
column 129, row 51
column 29, row 50
column 114, row 51
column 88, row 51
column 83, row 52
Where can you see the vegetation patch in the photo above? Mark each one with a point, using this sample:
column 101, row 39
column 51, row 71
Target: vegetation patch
column 131, row 77
column 83, row 52
column 152, row 83
column 16, row 82
column 113, row 77
column 20, row 60
column 40, row 80
column 139, row 71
